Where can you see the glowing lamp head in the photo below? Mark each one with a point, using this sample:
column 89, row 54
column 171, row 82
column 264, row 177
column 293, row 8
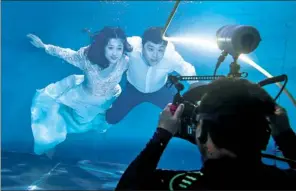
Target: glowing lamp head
column 238, row 39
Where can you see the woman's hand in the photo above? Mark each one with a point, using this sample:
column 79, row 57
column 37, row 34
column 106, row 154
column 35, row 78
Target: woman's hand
column 36, row 41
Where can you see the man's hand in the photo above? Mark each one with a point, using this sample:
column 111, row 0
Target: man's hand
column 169, row 121
column 279, row 121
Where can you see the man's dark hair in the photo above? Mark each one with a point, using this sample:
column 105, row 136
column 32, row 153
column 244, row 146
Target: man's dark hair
column 241, row 108
column 154, row 34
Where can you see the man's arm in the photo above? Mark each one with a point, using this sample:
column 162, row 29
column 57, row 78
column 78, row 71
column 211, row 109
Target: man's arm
column 142, row 172
column 136, row 43
column 180, row 65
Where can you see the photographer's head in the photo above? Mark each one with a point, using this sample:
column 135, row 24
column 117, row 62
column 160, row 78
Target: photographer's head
column 233, row 119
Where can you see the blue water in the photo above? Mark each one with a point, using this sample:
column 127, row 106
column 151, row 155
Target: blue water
column 26, row 68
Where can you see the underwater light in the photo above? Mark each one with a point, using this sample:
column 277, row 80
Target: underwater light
column 237, row 39
column 211, row 46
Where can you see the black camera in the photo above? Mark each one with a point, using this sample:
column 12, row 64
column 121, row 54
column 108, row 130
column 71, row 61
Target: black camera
column 233, row 40
column 191, row 100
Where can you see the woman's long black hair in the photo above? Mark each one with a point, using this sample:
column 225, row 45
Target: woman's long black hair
column 96, row 51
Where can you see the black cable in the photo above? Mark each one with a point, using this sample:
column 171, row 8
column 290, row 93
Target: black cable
column 282, row 89
column 220, row 60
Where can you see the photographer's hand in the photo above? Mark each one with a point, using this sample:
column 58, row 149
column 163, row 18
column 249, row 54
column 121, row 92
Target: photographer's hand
column 142, row 173
column 169, row 121
column 283, row 134
column 279, row 122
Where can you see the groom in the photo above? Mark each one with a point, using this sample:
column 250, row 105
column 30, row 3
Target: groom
column 151, row 60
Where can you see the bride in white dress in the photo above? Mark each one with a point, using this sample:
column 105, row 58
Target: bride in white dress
column 78, row 103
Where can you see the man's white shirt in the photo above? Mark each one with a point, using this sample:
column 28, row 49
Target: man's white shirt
column 149, row 79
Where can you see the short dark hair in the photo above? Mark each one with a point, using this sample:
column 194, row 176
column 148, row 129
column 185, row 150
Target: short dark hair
column 96, row 51
column 155, row 35
column 242, row 108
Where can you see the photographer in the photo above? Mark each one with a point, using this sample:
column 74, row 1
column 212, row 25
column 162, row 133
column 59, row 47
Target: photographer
column 231, row 131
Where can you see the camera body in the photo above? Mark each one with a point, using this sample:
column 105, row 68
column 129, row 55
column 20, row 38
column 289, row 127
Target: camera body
column 191, row 100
